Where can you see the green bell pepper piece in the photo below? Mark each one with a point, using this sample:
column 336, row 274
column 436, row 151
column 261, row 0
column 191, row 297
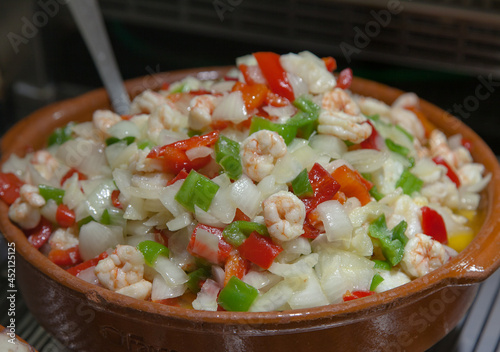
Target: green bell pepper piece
column 196, row 190
column 49, row 192
column 237, row 296
column 301, row 185
column 151, row 250
column 238, row 231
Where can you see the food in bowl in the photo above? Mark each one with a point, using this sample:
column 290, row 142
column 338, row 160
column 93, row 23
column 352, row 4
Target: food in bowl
column 274, row 188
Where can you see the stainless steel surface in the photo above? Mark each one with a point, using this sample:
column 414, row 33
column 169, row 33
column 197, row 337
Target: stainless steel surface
column 91, row 25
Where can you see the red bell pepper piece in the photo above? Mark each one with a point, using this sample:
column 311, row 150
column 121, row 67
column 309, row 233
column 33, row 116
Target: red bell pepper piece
column 344, row 80
column 75, row 270
column 433, row 225
column 115, row 199
column 349, row 296
column 324, row 186
column 450, row 172
column 174, row 154
column 374, row 141
column 40, row 234
column 260, row 250
column 353, row 184
column 274, row 73
column 70, row 173
column 65, row 257
column 9, row 187
column 200, row 249
column 309, row 230
column 330, row 63
column 467, row 144
column 235, row 265
column 65, row 217
column 240, row 216
column 180, row 176
column 254, row 95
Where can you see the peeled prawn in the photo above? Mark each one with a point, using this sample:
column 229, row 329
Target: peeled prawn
column 259, row 153
column 342, row 118
column 201, row 108
column 423, row 255
column 284, row 215
column 124, row 267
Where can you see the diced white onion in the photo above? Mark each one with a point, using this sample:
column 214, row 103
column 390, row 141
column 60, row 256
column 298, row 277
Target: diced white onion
column 310, row 295
column 167, row 197
column 180, row 221
column 96, row 238
column 340, row 271
column 366, row 160
column 206, row 299
column 49, row 211
column 231, row 108
column 163, row 289
column 199, row 152
column 88, row 275
column 85, row 155
column 124, row 129
column 172, row 273
column 221, row 207
column 332, row 146
column 246, row 196
column 273, row 299
column 337, row 224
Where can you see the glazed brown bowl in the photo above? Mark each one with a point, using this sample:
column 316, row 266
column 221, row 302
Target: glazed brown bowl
column 412, row 317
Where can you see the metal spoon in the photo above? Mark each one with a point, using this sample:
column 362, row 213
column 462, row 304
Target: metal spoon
column 89, row 20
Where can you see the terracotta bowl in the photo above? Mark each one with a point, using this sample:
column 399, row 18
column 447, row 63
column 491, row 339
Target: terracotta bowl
column 412, row 317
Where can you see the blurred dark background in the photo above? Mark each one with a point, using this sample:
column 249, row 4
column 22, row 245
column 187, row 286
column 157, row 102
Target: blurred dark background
column 442, row 50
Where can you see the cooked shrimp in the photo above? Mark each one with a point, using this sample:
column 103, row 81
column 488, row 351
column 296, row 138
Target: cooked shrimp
column 104, row 119
column 45, row 163
column 201, row 108
column 342, row 118
column 423, row 255
column 31, row 194
column 337, row 100
column 259, row 153
column 25, row 211
column 284, row 215
column 23, row 214
column 140, row 290
column 63, row 239
column 165, row 117
column 147, row 102
column 438, row 144
column 124, row 267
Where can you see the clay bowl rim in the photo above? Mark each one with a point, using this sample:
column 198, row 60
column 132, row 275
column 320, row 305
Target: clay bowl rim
column 473, row 265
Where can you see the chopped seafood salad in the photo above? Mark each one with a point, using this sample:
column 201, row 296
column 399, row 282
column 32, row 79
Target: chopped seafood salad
column 272, row 188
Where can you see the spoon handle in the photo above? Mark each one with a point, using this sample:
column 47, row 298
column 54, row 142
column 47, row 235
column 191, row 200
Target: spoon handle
column 89, row 20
